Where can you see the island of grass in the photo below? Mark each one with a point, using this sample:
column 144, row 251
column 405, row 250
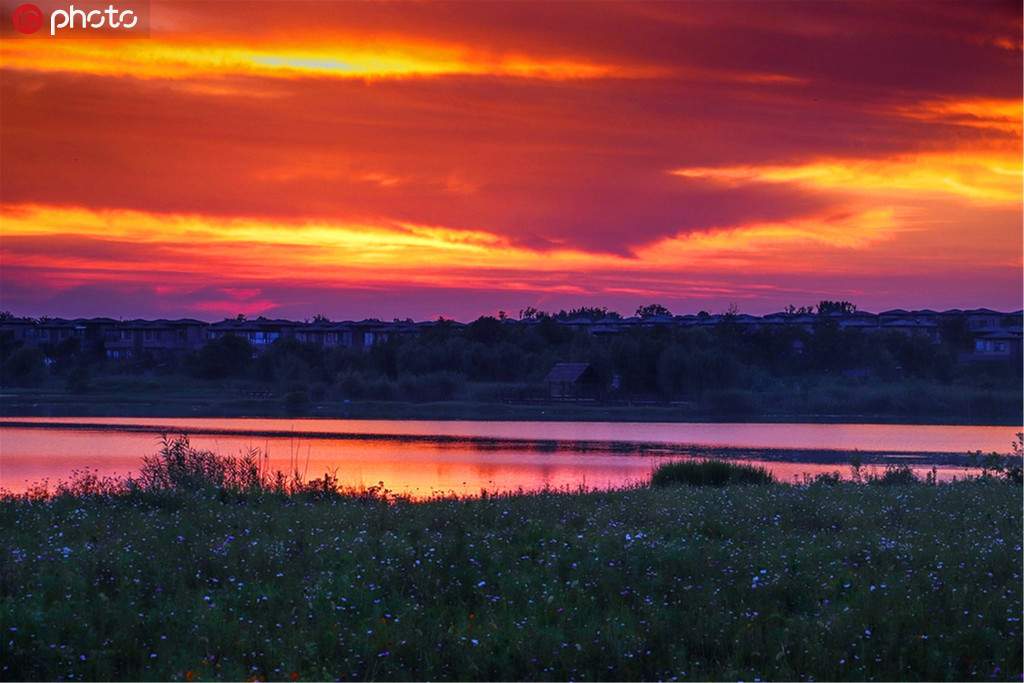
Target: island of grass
column 174, row 578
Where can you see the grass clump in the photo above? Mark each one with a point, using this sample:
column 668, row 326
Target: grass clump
column 709, row 473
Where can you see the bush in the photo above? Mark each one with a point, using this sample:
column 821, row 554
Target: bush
column 824, row 479
column 709, row 473
column 437, row 386
column 1009, row 467
column 180, row 467
column 24, row 367
column 296, row 402
column 732, row 402
column 229, row 356
column 896, row 475
column 78, row 380
column 357, row 386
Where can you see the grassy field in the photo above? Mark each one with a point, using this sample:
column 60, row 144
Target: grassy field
column 770, row 581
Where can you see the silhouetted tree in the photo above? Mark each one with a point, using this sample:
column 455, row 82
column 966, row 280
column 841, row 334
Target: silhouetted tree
column 228, row 356
column 845, row 307
column 651, row 311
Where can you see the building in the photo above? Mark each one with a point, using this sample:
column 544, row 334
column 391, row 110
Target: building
column 133, row 339
column 326, row 335
column 999, row 345
column 260, row 332
column 572, row 381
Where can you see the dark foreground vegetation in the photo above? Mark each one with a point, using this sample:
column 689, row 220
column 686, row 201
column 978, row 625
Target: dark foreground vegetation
column 709, row 473
column 206, row 568
column 725, row 371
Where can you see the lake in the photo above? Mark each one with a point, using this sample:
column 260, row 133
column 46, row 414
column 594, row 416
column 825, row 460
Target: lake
column 426, row 457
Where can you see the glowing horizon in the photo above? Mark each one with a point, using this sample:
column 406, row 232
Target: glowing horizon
column 423, row 160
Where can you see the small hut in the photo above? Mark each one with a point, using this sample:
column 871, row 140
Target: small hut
column 572, row 381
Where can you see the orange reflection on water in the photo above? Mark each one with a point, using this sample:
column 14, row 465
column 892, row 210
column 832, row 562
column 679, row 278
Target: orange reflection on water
column 416, row 468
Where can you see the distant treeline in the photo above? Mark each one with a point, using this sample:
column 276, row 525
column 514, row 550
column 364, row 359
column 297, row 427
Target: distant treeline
column 725, row 369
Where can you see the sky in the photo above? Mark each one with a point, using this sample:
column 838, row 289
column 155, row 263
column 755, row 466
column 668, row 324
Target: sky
column 447, row 159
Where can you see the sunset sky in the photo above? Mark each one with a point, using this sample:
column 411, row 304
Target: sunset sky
column 425, row 159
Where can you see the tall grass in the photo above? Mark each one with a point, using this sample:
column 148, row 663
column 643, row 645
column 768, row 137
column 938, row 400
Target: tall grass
column 773, row 582
column 203, row 569
column 709, row 473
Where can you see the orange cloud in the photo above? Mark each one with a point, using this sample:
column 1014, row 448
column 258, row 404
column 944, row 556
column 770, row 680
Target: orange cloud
column 619, row 150
column 178, row 59
column 979, row 177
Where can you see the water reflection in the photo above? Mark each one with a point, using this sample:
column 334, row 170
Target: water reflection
column 865, row 437
column 419, row 468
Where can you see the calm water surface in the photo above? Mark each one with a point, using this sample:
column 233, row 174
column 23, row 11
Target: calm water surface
column 466, row 457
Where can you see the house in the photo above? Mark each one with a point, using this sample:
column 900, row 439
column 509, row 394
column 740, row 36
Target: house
column 1001, row 345
column 983, row 319
column 20, row 329
column 261, row 332
column 326, row 335
column 135, row 338
column 51, row 331
column 910, row 326
column 572, row 381
column 866, row 322
column 369, row 333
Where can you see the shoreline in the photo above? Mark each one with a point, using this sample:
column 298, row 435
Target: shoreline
column 15, row 405
column 838, row 456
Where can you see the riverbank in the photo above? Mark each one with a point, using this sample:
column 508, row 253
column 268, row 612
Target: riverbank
column 827, row 582
column 160, row 401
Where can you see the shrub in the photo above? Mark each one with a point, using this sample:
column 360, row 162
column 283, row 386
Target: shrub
column 180, row 467
column 824, row 479
column 731, row 402
column 709, row 473
column 228, row 356
column 436, row 386
column 896, row 475
column 357, row 386
column 78, row 380
column 1009, row 467
column 25, row 367
column 296, row 402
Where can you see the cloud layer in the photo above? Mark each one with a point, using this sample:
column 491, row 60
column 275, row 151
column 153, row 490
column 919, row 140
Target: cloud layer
column 425, row 159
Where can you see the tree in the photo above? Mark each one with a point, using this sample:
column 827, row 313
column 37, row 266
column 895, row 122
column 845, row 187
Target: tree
column 845, row 307
column 224, row 357
column 24, row 367
column 590, row 312
column 652, row 310
column 321, row 318
column 485, row 329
